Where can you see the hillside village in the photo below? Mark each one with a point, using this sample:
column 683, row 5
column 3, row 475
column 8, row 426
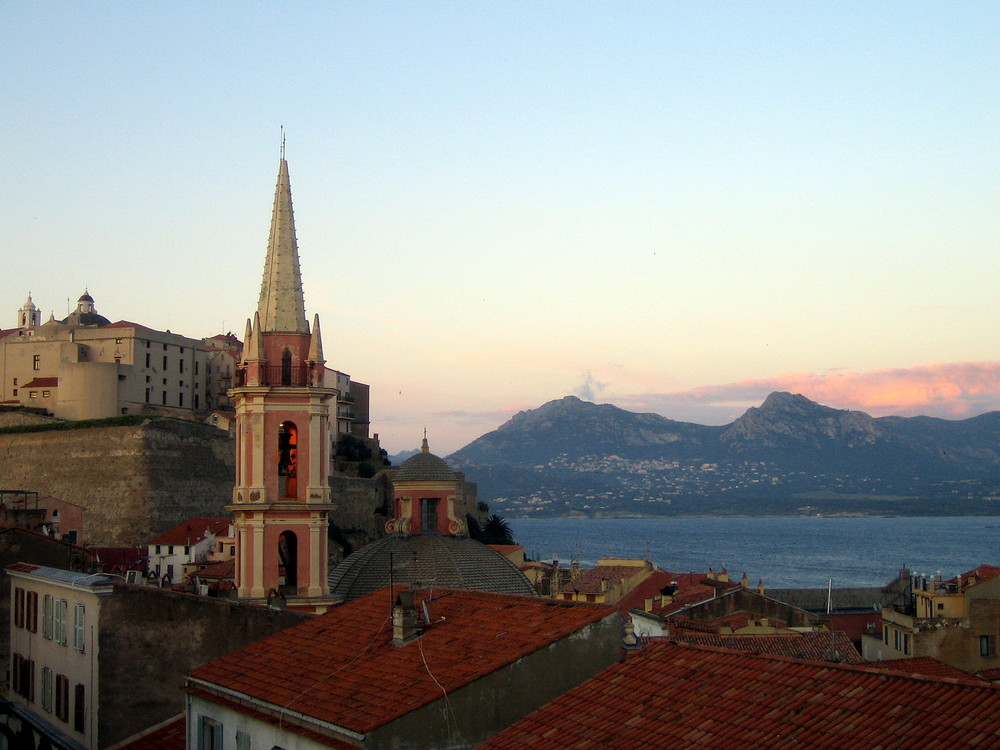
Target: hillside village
column 299, row 594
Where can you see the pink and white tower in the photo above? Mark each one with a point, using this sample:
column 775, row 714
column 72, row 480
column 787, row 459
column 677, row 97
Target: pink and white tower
column 281, row 501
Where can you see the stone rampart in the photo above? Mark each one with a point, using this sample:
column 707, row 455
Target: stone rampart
column 134, row 482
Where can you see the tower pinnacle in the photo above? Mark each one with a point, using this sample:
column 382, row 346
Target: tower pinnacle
column 281, row 305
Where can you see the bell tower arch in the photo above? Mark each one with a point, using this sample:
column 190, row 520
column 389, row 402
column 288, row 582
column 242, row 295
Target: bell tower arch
column 281, row 501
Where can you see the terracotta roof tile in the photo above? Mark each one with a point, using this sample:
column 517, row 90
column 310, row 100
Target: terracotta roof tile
column 816, row 645
column 42, row 383
column 171, row 735
column 342, row 668
column 680, row 695
column 921, row 665
column 193, row 531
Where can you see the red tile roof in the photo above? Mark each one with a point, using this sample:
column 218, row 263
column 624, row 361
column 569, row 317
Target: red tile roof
column 342, row 668
column 600, row 579
column 222, row 569
column 921, row 665
column 128, row 324
column 171, row 735
column 676, row 695
column 42, row 383
column 194, row 530
column 692, row 588
column 816, row 645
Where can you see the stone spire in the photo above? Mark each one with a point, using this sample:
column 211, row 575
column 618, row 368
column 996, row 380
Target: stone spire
column 316, row 344
column 281, row 305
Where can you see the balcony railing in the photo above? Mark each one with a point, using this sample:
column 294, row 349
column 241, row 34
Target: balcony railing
column 277, row 375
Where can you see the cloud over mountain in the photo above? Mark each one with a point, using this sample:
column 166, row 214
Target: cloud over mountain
column 952, row 390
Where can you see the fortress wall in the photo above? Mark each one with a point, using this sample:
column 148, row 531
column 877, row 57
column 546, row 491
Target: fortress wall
column 134, row 482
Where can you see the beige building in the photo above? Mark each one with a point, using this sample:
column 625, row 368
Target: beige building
column 85, row 367
column 53, row 647
column 955, row 621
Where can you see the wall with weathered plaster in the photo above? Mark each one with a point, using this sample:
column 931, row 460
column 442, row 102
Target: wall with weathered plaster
column 151, row 638
column 469, row 716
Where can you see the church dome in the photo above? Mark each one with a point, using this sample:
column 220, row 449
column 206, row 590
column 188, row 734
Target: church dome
column 85, row 314
column 424, row 467
column 427, row 559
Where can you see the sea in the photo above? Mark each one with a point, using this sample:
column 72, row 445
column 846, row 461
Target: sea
column 800, row 552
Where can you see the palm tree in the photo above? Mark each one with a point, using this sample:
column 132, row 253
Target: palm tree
column 496, row 530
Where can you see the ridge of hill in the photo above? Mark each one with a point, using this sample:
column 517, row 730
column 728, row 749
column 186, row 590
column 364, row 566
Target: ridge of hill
column 789, row 455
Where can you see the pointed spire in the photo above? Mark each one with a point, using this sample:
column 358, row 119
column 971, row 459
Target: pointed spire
column 257, row 352
column 247, row 342
column 281, row 305
column 316, row 343
column 424, row 447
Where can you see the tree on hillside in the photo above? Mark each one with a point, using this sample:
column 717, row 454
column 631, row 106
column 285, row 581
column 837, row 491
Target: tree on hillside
column 496, row 530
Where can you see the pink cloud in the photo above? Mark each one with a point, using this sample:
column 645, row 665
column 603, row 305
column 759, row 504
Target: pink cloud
column 953, row 390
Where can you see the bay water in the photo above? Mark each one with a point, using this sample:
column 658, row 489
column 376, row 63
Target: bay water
column 785, row 552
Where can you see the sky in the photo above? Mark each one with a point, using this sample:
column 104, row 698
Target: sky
column 674, row 207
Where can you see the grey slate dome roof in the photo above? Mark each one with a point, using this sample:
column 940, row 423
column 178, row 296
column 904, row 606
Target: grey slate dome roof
column 424, row 467
column 429, row 559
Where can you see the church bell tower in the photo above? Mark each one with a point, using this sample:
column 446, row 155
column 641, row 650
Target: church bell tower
column 281, row 500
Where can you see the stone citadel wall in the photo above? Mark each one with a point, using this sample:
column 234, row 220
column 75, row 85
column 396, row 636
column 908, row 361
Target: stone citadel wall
column 134, row 482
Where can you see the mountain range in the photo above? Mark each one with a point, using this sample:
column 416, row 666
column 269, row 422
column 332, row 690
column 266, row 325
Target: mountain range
column 789, row 455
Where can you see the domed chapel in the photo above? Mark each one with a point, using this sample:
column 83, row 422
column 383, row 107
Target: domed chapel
column 428, row 544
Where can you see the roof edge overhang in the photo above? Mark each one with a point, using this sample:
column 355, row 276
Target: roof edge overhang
column 208, row 690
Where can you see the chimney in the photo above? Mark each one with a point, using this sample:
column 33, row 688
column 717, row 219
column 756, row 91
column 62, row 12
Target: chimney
column 760, row 586
column 629, row 640
column 724, row 575
column 405, row 624
column 710, row 575
column 648, row 607
column 744, row 581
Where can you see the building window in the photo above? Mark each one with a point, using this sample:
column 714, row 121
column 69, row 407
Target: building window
column 47, row 616
column 180, row 399
column 79, row 708
column 62, row 697
column 196, row 401
column 79, row 626
column 906, row 643
column 242, row 741
column 147, row 359
column 147, row 395
column 59, row 622
column 23, row 677
column 196, row 367
column 164, row 399
column 46, row 394
column 15, row 391
column 15, row 381
column 429, row 513
column 32, row 394
column 164, row 362
column 118, row 341
column 36, row 362
column 18, row 607
column 47, row 689
column 187, row 550
column 180, row 365
column 987, row 645
column 209, row 734
column 31, row 612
